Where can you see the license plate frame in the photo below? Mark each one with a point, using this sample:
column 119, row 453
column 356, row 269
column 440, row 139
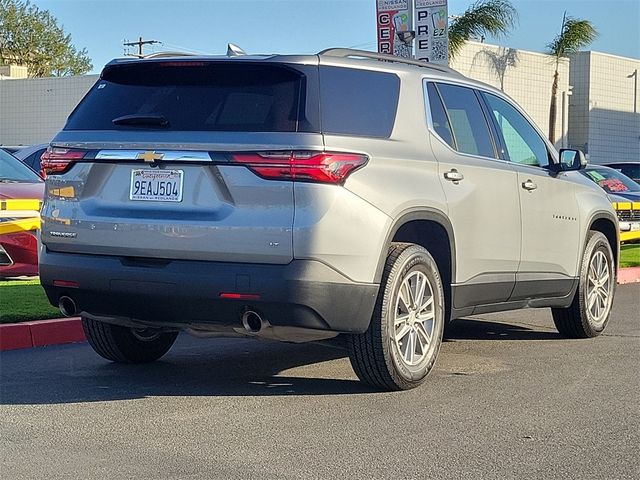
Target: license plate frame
column 155, row 188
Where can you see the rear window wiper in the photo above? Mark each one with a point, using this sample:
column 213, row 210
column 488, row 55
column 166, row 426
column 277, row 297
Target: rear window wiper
column 142, row 119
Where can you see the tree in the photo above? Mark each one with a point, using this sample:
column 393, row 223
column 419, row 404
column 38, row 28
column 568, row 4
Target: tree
column 574, row 35
column 499, row 61
column 32, row 37
column 493, row 17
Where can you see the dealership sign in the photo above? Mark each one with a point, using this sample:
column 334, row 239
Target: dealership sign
column 432, row 41
column 394, row 16
column 431, row 29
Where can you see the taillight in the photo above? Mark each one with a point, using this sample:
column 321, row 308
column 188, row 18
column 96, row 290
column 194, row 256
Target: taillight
column 318, row 167
column 57, row 160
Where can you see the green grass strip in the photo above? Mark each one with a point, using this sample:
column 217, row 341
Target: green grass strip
column 23, row 301
column 630, row 255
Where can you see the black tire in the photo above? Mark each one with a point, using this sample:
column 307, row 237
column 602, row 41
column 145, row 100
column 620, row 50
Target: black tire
column 126, row 345
column 578, row 320
column 375, row 356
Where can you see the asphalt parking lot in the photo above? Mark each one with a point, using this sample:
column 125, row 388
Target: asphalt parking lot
column 509, row 398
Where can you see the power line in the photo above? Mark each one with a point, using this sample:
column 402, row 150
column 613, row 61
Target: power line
column 184, row 49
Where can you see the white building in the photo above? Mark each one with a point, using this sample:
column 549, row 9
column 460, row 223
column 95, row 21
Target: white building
column 33, row 110
column 604, row 111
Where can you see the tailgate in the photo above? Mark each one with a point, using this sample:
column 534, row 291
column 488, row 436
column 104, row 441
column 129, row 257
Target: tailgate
column 209, row 211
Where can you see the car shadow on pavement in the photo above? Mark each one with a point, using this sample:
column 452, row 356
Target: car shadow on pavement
column 475, row 329
column 194, row 367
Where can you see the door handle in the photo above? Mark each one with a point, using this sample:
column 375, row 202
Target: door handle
column 529, row 185
column 453, row 175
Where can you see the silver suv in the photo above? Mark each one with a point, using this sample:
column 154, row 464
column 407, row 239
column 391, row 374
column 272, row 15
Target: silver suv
column 304, row 197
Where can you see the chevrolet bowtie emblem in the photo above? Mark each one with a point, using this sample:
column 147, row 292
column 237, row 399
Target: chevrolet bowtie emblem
column 150, row 157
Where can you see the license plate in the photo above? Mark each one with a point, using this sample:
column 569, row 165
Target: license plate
column 156, row 185
column 635, row 227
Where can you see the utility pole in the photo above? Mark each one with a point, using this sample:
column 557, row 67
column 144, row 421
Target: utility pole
column 140, row 43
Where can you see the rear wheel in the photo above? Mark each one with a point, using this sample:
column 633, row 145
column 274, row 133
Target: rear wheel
column 127, row 345
column 400, row 346
column 589, row 312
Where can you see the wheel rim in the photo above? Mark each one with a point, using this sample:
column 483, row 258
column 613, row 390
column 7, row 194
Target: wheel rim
column 599, row 283
column 414, row 318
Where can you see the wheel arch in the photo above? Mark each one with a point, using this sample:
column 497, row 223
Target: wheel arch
column 432, row 230
column 606, row 224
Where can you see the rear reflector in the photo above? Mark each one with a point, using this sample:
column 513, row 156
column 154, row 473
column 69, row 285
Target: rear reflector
column 65, row 283
column 57, row 160
column 240, row 296
column 318, row 167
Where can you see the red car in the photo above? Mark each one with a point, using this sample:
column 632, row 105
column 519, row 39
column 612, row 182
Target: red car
column 18, row 251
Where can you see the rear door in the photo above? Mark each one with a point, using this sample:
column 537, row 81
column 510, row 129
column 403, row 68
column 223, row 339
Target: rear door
column 166, row 162
column 482, row 196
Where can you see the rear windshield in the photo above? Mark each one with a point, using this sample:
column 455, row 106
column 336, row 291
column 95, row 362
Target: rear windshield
column 194, row 96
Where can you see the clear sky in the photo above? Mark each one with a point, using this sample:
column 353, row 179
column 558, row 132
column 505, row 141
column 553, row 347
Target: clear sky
column 307, row 26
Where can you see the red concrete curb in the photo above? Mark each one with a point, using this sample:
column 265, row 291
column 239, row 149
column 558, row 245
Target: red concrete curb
column 40, row 333
column 629, row 275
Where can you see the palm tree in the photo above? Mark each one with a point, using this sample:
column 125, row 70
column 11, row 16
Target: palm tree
column 574, row 35
column 499, row 62
column 493, row 17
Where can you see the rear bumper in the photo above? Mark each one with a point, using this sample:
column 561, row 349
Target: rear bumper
column 306, row 294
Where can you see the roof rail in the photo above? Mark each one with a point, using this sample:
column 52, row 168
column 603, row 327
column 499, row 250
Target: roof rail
column 351, row 53
column 169, row 54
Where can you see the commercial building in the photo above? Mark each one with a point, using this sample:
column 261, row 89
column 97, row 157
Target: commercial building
column 33, row 110
column 604, row 112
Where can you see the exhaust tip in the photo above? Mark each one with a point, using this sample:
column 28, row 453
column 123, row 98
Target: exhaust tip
column 67, row 306
column 252, row 321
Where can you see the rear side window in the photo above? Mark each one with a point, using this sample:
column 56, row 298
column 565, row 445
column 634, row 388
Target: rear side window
column 469, row 125
column 194, row 96
column 439, row 116
column 358, row 102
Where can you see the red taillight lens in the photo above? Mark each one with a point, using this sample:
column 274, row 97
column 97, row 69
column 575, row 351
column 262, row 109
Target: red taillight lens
column 319, row 167
column 240, row 296
column 57, row 160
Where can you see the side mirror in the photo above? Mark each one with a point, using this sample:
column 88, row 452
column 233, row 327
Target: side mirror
column 572, row 159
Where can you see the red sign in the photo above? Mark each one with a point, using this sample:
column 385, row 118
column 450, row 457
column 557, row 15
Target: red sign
column 393, row 16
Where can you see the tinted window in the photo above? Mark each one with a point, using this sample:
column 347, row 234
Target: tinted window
column 195, row 96
column 33, row 160
column 521, row 140
column 13, row 170
column 629, row 169
column 358, row 102
column 439, row 116
column 470, row 129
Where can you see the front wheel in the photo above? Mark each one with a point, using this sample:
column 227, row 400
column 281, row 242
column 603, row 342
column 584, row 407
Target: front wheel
column 127, row 345
column 591, row 307
column 402, row 342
